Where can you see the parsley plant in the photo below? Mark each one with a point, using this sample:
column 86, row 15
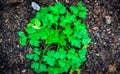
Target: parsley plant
column 62, row 27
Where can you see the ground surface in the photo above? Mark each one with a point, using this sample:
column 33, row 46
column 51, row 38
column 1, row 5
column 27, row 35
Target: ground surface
column 103, row 24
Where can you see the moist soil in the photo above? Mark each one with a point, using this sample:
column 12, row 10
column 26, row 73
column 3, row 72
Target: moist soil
column 103, row 24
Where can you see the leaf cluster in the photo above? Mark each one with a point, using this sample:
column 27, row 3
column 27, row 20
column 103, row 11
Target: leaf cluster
column 55, row 62
column 63, row 27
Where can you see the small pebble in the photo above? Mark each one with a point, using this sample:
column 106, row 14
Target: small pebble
column 98, row 35
column 35, row 6
column 108, row 19
column 24, row 70
column 95, row 28
column 0, row 40
column 18, row 46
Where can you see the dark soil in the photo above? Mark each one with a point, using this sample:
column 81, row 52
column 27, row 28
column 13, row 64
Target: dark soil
column 103, row 24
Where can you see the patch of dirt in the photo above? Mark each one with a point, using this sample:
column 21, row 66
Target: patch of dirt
column 102, row 23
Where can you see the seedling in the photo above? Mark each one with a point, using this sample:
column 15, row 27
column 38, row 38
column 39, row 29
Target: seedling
column 56, row 25
column 97, row 54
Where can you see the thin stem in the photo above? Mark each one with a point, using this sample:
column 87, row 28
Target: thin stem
column 68, row 46
column 45, row 49
column 44, row 52
column 58, row 47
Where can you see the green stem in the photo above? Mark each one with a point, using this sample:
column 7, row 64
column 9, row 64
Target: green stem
column 68, row 46
column 45, row 49
column 58, row 47
column 44, row 52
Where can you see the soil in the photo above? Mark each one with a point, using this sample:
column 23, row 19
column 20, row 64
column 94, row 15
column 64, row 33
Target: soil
column 103, row 24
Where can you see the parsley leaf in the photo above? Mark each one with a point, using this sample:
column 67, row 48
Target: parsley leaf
column 68, row 31
column 35, row 65
column 42, row 68
column 34, row 41
column 30, row 56
column 49, row 58
column 37, row 51
column 76, row 43
column 74, row 10
column 22, row 39
column 82, row 54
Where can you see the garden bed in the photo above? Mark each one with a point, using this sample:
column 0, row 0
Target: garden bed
column 103, row 54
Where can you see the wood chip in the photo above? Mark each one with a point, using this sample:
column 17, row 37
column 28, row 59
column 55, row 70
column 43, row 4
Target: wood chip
column 108, row 19
column 112, row 68
column 95, row 28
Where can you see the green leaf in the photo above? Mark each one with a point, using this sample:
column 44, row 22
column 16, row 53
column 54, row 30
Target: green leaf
column 67, row 18
column 53, row 9
column 97, row 54
column 62, row 53
column 49, row 60
column 30, row 56
column 38, row 14
column 42, row 68
column 72, row 18
column 80, row 4
column 35, row 21
column 76, row 62
column 72, row 55
column 82, row 14
column 71, row 38
column 50, row 53
column 76, row 43
column 36, row 57
column 35, row 65
column 68, row 31
column 44, row 10
column 62, row 21
column 77, row 23
column 62, row 40
column 56, row 55
column 49, row 16
column 34, row 42
column 62, row 24
column 59, row 5
column 74, row 10
column 56, row 18
column 62, row 10
column 50, row 70
column 68, row 65
column 55, row 71
column 82, row 54
column 43, row 34
column 22, row 39
column 62, row 63
column 21, row 34
column 86, row 40
column 83, row 9
column 37, row 51
column 80, row 27
column 30, row 29
column 79, row 34
column 52, row 36
column 80, row 31
column 71, row 51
